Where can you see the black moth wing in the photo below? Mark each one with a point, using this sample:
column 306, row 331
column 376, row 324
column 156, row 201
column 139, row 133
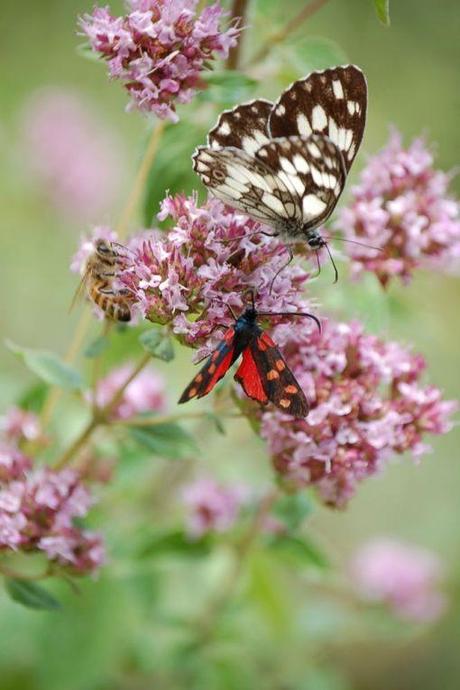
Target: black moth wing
column 313, row 171
column 279, row 383
column 246, row 183
column 215, row 368
column 332, row 103
column 244, row 127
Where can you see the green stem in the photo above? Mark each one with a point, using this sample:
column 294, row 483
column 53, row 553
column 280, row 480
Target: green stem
column 238, row 14
column 207, row 623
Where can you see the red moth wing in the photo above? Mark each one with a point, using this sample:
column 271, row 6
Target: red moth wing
column 280, row 384
column 248, row 376
column 215, row 368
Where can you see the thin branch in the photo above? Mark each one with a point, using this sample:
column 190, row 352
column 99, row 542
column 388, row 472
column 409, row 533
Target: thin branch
column 141, row 179
column 238, row 15
column 292, row 25
column 125, row 217
column 100, row 416
column 207, row 623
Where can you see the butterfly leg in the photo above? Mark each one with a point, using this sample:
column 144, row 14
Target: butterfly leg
column 280, row 270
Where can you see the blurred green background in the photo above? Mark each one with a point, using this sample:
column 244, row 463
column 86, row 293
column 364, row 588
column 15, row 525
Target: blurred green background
column 110, row 637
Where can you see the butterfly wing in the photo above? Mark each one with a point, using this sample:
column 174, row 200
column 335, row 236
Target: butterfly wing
column 214, row 369
column 332, row 103
column 313, row 171
column 245, row 183
column 244, row 127
column 265, row 377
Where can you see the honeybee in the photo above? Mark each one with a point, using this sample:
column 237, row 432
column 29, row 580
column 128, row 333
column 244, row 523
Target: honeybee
column 102, row 268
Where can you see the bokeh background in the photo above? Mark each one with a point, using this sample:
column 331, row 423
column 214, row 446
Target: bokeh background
column 110, row 636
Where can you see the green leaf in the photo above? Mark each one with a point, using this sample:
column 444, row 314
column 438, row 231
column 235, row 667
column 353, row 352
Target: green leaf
column 48, row 366
column 34, row 397
column 382, row 7
column 298, row 549
column 172, row 169
column 227, row 87
column 292, row 510
column 96, row 347
column 165, row 440
column 31, row 594
column 158, row 344
column 176, row 542
column 304, row 55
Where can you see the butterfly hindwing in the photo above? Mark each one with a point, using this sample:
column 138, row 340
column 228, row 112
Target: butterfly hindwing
column 265, row 377
column 244, row 127
column 331, row 103
column 246, row 183
column 214, row 369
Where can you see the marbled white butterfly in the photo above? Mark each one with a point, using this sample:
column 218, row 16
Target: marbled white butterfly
column 285, row 164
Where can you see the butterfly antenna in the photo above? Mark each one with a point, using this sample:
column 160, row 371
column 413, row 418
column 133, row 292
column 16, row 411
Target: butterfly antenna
column 336, row 273
column 280, row 270
column 361, row 244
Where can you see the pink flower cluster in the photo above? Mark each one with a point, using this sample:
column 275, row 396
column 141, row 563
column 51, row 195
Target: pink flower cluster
column 401, row 205
column 38, row 508
column 73, row 154
column 190, row 277
column 159, row 49
column 212, row 507
column 404, row 577
column 367, row 404
column 17, row 425
column 146, row 393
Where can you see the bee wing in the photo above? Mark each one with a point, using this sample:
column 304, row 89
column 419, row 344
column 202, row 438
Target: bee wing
column 78, row 294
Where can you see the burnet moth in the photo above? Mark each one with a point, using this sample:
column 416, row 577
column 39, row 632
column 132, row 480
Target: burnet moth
column 263, row 372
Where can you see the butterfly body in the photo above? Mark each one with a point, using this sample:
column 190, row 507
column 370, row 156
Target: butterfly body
column 285, row 164
column 262, row 373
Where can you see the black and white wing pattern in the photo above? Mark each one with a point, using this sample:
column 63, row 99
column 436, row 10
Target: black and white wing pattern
column 332, row 103
column 285, row 164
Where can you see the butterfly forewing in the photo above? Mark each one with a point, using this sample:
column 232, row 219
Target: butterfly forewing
column 332, row 103
column 244, row 127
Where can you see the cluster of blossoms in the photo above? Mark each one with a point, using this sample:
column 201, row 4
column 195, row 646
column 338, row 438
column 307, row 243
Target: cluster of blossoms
column 159, row 49
column 72, row 154
column 39, row 506
column 190, row 277
column 145, row 393
column 404, row 577
column 212, row 507
column 367, row 404
column 401, row 205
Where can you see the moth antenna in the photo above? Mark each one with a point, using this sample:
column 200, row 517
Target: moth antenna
column 293, row 313
column 280, row 270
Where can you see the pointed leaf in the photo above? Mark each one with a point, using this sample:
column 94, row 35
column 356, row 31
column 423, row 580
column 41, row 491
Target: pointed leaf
column 299, row 549
column 31, row 594
column 382, row 7
column 176, row 542
column 292, row 510
column 158, row 344
column 165, row 440
column 48, row 366
column 96, row 347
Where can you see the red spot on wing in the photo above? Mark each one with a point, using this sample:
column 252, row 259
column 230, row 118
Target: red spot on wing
column 250, row 379
column 264, row 342
column 221, row 370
